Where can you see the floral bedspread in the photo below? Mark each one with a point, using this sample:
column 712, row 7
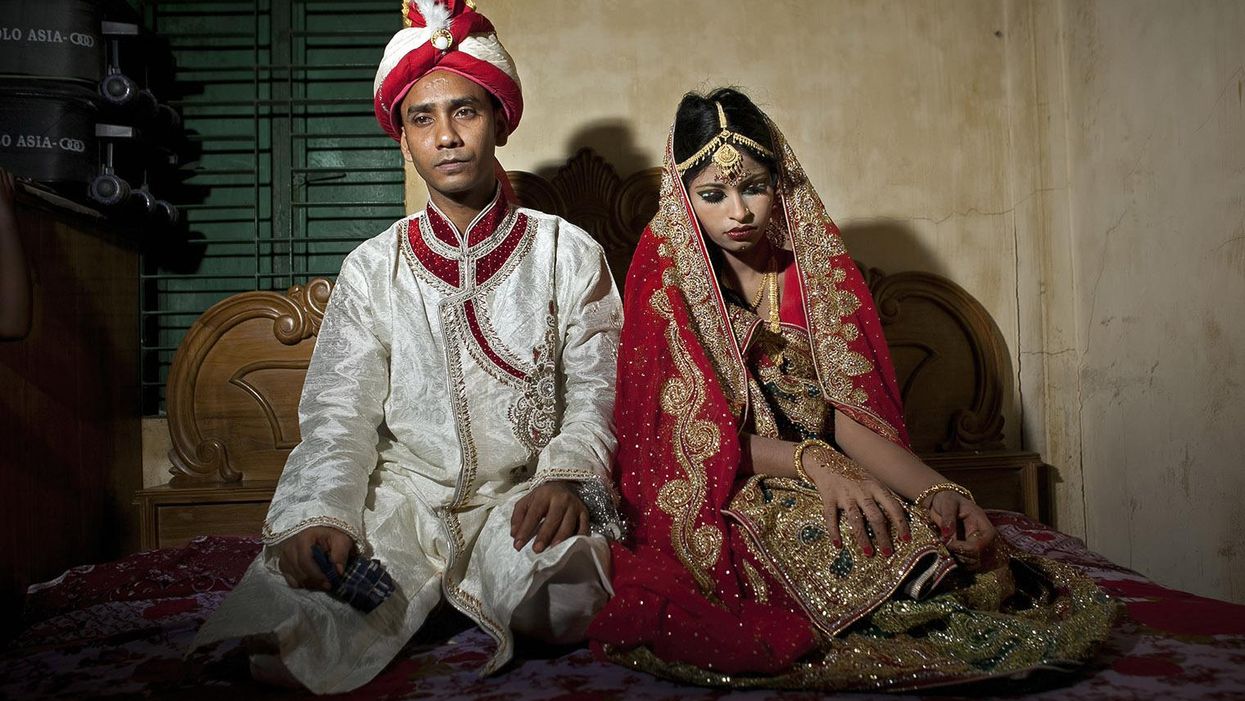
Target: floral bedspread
column 119, row 630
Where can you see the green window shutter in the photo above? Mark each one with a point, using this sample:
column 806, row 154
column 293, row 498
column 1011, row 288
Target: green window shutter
column 294, row 170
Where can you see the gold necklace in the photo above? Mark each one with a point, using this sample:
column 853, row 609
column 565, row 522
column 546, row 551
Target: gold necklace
column 756, row 300
column 771, row 282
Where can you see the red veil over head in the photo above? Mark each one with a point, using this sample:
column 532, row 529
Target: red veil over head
column 681, row 582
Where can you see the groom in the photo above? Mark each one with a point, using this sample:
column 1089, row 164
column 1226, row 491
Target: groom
column 456, row 414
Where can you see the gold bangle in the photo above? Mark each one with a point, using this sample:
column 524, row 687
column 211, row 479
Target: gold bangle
column 942, row 487
column 799, row 454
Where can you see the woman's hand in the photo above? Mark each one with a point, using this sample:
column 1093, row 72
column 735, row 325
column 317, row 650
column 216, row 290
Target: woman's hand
column 965, row 528
column 862, row 500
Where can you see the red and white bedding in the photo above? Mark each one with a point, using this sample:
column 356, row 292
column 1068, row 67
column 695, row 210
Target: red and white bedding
column 119, row 630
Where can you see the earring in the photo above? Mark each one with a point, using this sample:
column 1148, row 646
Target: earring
column 774, row 231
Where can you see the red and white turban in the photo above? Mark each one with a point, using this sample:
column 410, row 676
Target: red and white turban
column 446, row 35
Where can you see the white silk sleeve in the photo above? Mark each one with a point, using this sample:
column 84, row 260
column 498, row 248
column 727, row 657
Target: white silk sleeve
column 583, row 448
column 325, row 479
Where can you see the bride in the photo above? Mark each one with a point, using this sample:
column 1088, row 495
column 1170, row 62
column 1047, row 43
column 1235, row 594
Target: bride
column 783, row 534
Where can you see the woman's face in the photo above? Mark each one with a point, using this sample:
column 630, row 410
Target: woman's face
column 733, row 214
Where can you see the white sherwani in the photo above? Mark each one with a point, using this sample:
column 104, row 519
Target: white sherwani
column 452, row 374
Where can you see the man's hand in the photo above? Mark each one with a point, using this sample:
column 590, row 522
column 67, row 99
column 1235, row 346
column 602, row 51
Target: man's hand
column 299, row 567
column 552, row 512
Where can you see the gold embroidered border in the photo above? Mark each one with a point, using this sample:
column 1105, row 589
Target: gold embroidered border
column 571, row 474
column 454, row 327
column 760, row 590
column 1053, row 634
column 693, row 278
column 485, row 321
column 479, row 250
column 826, row 304
column 499, row 235
column 465, row 601
column 785, row 523
column 493, row 340
column 271, row 537
column 521, row 249
column 693, row 441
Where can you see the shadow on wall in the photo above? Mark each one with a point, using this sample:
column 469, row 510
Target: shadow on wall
column 614, row 140
column 890, row 245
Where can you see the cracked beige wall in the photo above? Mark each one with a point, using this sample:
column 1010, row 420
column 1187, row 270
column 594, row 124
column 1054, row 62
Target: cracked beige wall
column 1155, row 125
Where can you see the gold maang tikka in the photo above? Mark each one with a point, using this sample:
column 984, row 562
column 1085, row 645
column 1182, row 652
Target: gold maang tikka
column 724, row 147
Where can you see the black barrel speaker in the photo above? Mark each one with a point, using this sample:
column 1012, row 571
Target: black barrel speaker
column 47, row 132
column 53, row 39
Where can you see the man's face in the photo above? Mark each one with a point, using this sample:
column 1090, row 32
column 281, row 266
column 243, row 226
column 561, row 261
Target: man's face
column 449, row 131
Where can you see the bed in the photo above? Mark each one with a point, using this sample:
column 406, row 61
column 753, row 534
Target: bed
column 119, row 629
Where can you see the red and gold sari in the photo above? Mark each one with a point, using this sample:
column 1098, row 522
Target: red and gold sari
column 732, row 581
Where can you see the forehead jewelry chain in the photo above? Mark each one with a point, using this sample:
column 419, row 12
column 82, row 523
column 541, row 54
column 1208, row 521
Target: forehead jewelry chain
column 727, row 158
column 724, row 147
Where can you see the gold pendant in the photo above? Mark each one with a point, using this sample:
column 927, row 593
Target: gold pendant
column 730, row 164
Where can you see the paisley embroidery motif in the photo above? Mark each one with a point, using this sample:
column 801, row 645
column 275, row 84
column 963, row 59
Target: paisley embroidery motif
column 694, row 440
column 534, row 415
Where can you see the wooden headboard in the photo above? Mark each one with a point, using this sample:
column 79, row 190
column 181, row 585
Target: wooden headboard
column 234, row 385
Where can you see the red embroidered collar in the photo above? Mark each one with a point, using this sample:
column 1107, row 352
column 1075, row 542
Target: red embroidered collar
column 481, row 228
column 492, row 237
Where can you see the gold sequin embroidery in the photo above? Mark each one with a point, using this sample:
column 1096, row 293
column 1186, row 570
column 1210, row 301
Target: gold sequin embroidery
column 835, row 586
column 827, row 304
column 693, row 440
column 691, row 276
column 756, row 582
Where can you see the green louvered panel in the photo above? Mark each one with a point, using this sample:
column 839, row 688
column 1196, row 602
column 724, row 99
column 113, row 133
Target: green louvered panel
column 293, row 170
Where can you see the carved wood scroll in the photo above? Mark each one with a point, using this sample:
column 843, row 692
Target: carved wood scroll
column 588, row 192
column 950, row 360
column 235, row 382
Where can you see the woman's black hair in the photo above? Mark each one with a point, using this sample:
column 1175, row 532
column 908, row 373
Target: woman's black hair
column 696, row 123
